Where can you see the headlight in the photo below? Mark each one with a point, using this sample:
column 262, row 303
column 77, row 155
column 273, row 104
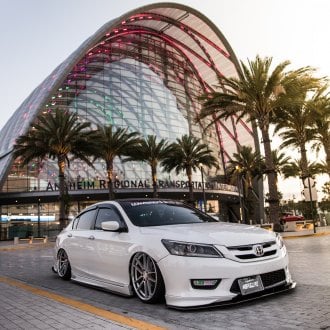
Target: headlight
column 191, row 249
column 279, row 240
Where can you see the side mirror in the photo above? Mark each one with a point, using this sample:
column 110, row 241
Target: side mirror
column 110, row 226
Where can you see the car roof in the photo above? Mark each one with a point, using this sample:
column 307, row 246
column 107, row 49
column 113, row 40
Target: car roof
column 132, row 200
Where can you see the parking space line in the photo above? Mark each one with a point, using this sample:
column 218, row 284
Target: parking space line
column 124, row 320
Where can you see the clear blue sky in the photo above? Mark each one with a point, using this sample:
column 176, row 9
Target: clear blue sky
column 36, row 35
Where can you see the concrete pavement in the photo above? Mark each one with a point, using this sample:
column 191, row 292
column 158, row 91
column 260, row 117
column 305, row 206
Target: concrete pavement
column 28, row 307
column 23, row 309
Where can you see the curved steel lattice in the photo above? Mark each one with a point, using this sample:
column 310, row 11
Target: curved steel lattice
column 144, row 71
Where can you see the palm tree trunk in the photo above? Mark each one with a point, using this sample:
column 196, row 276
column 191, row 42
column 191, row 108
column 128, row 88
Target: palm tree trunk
column 247, row 201
column 62, row 216
column 304, row 162
column 274, row 205
column 110, row 180
column 191, row 192
column 154, row 181
column 327, row 152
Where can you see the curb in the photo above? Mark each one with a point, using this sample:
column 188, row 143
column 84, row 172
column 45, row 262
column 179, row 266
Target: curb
column 26, row 246
column 307, row 235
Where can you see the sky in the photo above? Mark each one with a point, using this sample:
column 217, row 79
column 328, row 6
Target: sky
column 37, row 35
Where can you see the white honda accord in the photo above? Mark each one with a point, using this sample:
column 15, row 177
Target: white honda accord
column 164, row 248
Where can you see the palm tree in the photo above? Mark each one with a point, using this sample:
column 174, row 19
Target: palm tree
column 56, row 135
column 152, row 152
column 254, row 95
column 243, row 168
column 326, row 191
column 321, row 105
column 188, row 154
column 111, row 142
column 280, row 161
column 294, row 169
column 247, row 164
column 294, row 124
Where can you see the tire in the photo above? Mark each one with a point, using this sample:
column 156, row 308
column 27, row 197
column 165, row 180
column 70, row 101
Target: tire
column 63, row 265
column 146, row 278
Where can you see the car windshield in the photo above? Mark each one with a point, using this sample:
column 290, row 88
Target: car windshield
column 160, row 213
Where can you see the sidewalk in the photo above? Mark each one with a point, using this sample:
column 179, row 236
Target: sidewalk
column 325, row 230
column 21, row 309
column 29, row 307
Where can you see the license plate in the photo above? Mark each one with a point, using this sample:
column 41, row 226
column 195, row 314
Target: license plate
column 250, row 284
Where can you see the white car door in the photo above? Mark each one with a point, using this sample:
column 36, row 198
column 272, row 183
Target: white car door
column 78, row 244
column 110, row 260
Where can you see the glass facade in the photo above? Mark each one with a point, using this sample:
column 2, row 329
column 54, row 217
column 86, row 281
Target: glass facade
column 123, row 93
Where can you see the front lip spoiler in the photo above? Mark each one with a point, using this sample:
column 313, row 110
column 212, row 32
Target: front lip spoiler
column 239, row 299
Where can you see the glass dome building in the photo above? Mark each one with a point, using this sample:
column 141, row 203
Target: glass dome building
column 143, row 71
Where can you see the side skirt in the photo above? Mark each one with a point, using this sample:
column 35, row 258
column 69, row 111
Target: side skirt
column 113, row 287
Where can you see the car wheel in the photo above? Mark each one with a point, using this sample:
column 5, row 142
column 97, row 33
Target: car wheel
column 146, row 278
column 63, row 265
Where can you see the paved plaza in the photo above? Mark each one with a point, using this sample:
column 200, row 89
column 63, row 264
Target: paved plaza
column 22, row 310
column 32, row 297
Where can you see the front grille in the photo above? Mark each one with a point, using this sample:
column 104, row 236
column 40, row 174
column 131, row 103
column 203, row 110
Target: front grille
column 253, row 256
column 268, row 280
column 245, row 252
column 249, row 247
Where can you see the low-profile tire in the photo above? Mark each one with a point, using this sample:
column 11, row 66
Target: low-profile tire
column 63, row 265
column 146, row 278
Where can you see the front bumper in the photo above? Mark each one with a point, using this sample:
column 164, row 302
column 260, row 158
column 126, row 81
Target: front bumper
column 179, row 271
column 239, row 299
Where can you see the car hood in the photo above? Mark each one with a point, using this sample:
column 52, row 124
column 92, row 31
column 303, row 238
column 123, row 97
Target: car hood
column 226, row 234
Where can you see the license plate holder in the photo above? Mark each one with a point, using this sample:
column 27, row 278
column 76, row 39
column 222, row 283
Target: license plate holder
column 250, row 284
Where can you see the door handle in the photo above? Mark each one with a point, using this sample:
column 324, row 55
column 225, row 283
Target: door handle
column 69, row 235
column 91, row 237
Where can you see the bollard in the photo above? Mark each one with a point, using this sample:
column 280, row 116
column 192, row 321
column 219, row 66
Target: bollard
column 31, row 240
column 16, row 240
column 45, row 239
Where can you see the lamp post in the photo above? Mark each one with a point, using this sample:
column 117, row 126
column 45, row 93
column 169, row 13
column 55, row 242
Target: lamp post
column 311, row 202
column 0, row 222
column 293, row 204
column 39, row 217
column 203, row 188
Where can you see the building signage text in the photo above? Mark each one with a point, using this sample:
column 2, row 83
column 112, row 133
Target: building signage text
column 140, row 184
